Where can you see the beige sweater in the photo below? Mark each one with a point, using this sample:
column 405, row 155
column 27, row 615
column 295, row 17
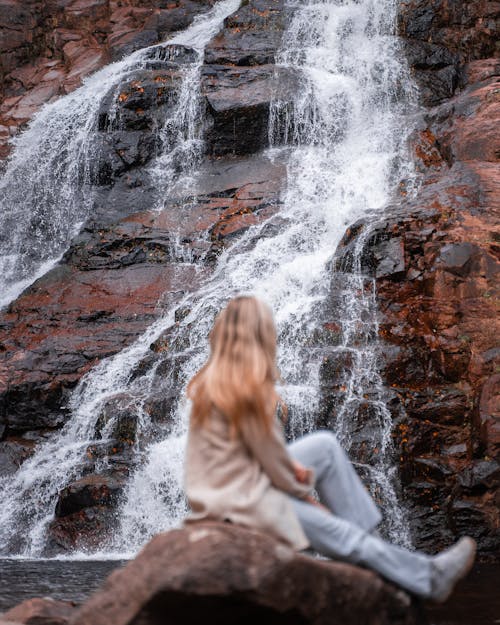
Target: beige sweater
column 244, row 478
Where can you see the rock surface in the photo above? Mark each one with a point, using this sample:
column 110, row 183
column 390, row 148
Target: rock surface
column 434, row 256
column 227, row 574
column 435, row 259
column 39, row 612
column 48, row 48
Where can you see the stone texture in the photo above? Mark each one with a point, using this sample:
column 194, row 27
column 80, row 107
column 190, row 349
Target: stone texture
column 48, row 48
column 39, row 612
column 435, row 259
column 225, row 573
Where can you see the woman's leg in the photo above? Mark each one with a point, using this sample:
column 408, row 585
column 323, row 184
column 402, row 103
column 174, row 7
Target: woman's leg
column 338, row 485
column 337, row 538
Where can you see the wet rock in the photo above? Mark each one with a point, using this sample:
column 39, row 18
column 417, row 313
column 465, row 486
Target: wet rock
column 239, row 103
column 12, row 454
column 118, row 420
column 480, row 476
column 38, row 611
column 117, row 277
column 85, row 513
column 228, row 573
column 47, row 50
column 489, row 416
column 441, row 37
column 240, row 79
column 251, row 36
column 88, row 492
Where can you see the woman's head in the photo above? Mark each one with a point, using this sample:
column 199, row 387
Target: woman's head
column 239, row 376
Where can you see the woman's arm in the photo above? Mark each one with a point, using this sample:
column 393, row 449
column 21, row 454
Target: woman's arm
column 270, row 450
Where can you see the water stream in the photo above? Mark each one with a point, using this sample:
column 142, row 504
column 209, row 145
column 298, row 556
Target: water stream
column 48, row 187
column 346, row 155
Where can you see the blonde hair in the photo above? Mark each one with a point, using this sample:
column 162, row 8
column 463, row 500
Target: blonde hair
column 239, row 376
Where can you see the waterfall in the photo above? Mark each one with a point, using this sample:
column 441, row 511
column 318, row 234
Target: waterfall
column 48, row 188
column 29, row 497
column 343, row 139
column 348, row 130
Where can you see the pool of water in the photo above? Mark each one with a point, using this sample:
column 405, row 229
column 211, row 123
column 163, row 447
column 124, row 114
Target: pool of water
column 475, row 602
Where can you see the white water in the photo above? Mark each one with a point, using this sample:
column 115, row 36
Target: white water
column 350, row 154
column 28, row 499
column 47, row 190
column 348, row 132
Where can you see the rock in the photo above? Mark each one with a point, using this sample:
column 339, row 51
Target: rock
column 12, row 454
column 226, row 573
column 40, row 612
column 88, row 492
column 48, row 49
column 85, row 514
column 239, row 103
column 489, row 416
column 251, row 36
column 240, row 79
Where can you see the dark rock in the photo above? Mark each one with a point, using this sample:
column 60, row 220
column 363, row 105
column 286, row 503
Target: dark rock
column 456, row 258
column 389, row 258
column 226, row 573
column 88, row 492
column 251, row 36
column 12, row 454
column 118, row 420
column 239, row 103
column 481, row 476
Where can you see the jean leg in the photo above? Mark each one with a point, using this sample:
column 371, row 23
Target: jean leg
column 339, row 486
column 337, row 538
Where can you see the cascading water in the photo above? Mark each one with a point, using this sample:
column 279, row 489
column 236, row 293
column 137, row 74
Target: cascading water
column 28, row 500
column 48, row 190
column 347, row 124
column 347, row 130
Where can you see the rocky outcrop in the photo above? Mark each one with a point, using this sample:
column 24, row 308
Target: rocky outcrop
column 442, row 37
column 435, row 259
column 39, row 612
column 48, row 48
column 225, row 573
column 139, row 254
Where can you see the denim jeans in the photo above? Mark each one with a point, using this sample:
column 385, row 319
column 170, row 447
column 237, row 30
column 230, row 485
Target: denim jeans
column 345, row 532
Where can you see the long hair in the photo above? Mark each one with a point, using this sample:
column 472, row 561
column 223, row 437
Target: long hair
column 240, row 374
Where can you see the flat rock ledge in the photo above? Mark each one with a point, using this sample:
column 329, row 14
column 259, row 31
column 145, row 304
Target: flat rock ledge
column 226, row 574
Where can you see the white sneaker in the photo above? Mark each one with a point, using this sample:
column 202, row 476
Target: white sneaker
column 449, row 566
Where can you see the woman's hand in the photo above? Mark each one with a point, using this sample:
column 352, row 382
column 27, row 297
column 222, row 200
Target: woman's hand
column 310, row 499
column 302, row 473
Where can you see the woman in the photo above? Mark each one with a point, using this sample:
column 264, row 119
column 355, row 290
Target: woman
column 239, row 469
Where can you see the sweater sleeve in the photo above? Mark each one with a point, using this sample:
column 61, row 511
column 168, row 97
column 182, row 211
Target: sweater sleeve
column 272, row 454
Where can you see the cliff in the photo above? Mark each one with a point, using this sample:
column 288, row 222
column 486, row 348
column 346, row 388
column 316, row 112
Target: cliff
column 434, row 254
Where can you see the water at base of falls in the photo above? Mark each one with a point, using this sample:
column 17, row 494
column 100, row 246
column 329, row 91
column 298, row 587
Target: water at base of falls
column 346, row 129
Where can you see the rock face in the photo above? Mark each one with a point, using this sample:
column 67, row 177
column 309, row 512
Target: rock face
column 227, row 574
column 48, row 48
column 39, row 611
column 134, row 258
column 434, row 256
column 435, row 260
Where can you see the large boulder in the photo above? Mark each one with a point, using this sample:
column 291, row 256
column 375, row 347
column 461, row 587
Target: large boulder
column 39, row 612
column 225, row 574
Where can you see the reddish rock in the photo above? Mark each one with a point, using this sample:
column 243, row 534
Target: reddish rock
column 435, row 258
column 106, row 290
column 40, row 612
column 79, row 37
column 226, row 573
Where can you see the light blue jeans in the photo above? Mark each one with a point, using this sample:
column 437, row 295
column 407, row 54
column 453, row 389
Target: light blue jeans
column 345, row 533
